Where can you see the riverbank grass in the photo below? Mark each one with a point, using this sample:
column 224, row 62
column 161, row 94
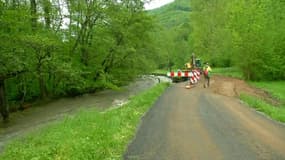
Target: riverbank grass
column 88, row 135
column 277, row 90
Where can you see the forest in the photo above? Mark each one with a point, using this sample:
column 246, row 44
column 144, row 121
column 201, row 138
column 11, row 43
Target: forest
column 65, row 50
column 56, row 48
column 247, row 34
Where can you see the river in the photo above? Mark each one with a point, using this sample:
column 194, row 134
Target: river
column 33, row 118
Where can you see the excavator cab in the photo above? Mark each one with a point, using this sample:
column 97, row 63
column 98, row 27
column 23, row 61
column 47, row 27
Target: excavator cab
column 198, row 63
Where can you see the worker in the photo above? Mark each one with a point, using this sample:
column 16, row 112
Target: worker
column 206, row 71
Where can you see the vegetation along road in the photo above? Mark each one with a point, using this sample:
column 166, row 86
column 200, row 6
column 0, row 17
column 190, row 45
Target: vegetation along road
column 24, row 122
column 206, row 124
column 62, row 57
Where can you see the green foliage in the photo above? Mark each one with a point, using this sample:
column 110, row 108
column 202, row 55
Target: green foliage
column 12, row 26
column 173, row 14
column 106, row 44
column 248, row 34
column 230, row 72
column 87, row 135
column 172, row 34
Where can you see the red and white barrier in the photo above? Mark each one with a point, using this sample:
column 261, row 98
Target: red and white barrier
column 193, row 75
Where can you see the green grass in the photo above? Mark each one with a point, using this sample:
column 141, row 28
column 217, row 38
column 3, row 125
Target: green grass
column 229, row 72
column 275, row 88
column 89, row 134
column 160, row 71
column 276, row 113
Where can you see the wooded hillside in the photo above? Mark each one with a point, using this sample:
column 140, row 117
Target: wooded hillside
column 61, row 47
column 172, row 34
column 245, row 34
column 54, row 48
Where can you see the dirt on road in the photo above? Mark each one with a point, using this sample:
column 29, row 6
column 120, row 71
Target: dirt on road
column 208, row 123
column 233, row 87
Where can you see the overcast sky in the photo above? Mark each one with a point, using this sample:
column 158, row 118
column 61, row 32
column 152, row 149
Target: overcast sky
column 156, row 3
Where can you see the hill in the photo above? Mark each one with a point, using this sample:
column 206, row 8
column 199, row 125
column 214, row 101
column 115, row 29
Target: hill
column 173, row 14
column 172, row 35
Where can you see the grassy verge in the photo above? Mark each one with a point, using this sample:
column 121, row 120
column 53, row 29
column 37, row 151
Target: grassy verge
column 277, row 90
column 160, row 72
column 88, row 135
column 229, row 72
column 276, row 113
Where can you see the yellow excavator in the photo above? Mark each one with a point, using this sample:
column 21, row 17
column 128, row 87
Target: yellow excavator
column 194, row 63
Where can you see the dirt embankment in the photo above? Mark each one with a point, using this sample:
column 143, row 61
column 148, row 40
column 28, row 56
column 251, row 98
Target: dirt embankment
column 233, row 87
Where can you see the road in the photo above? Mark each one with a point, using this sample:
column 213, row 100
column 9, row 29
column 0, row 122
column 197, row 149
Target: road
column 199, row 124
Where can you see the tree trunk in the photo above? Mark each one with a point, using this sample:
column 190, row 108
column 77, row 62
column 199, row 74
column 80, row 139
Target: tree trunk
column 43, row 89
column 47, row 12
column 33, row 14
column 3, row 103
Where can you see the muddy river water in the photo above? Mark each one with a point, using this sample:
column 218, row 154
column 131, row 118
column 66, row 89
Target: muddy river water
column 22, row 123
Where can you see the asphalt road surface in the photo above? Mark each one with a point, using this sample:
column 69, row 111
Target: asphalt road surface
column 198, row 124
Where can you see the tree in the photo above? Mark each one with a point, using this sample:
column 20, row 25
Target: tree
column 247, row 34
column 12, row 56
column 43, row 56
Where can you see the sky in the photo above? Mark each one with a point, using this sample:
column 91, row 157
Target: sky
column 156, row 3
column 148, row 6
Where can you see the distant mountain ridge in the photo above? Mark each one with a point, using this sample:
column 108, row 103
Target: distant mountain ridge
column 173, row 14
